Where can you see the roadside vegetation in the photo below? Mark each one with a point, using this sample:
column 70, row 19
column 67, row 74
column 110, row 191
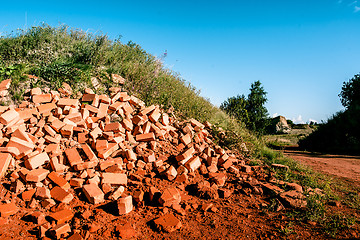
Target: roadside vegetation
column 341, row 132
column 60, row 55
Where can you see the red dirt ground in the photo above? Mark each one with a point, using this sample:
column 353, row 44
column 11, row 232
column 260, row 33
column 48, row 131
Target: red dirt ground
column 341, row 166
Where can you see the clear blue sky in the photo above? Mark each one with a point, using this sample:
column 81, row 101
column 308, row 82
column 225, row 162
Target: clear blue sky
column 301, row 50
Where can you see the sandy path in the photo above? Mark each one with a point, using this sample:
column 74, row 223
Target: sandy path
column 346, row 167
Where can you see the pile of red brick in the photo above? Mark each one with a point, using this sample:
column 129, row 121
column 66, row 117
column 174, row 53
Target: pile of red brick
column 52, row 146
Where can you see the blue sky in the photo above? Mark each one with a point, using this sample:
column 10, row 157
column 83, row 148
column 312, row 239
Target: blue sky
column 301, row 50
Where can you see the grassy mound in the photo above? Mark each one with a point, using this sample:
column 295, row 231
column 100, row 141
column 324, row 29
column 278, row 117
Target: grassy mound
column 60, row 54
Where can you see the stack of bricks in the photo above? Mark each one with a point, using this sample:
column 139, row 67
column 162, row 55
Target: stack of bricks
column 52, row 145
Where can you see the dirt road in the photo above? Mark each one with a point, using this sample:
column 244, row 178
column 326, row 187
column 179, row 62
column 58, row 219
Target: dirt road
column 342, row 166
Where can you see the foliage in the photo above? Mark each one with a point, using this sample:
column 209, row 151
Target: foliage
column 250, row 110
column 350, row 92
column 341, row 132
column 258, row 113
column 236, row 107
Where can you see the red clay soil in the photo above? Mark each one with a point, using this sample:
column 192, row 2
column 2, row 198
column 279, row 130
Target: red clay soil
column 241, row 216
column 341, row 166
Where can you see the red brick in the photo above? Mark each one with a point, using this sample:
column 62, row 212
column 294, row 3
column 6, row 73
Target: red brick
column 23, row 146
column 127, row 124
column 124, row 205
column 37, row 217
column 8, row 209
column 37, row 161
column 60, row 230
column 114, row 127
column 89, row 152
column 169, row 197
column 88, row 97
column 75, row 236
column 42, row 193
column 130, row 155
column 193, row 164
column 155, row 115
column 42, row 98
column 186, row 139
column 91, row 108
column 77, row 182
column 62, row 216
column 46, row 107
column 57, row 125
column 61, row 195
column 168, row 223
column 27, row 195
column 73, row 156
column 103, row 109
column 58, row 180
column 93, row 193
column 5, row 160
column 145, row 137
column 5, row 84
column 68, row 102
column 37, row 175
column 101, row 144
column 196, row 123
column 114, row 178
column 185, row 156
column 12, row 150
column 9, row 116
column 82, row 137
column 105, row 153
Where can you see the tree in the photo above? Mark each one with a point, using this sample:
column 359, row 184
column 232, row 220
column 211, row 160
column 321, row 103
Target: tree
column 236, row 107
column 258, row 114
column 350, row 92
column 250, row 110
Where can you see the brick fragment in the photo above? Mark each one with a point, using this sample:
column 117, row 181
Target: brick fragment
column 89, row 152
column 42, row 98
column 105, row 153
column 103, row 109
column 93, row 193
column 8, row 209
column 126, row 231
column 58, row 180
column 114, row 127
column 73, row 156
column 9, row 116
column 37, row 217
column 61, row 195
column 130, row 155
column 117, row 193
column 185, row 156
column 155, row 115
column 23, row 146
column 5, row 160
column 68, row 102
column 168, row 223
column 145, row 137
column 62, row 216
column 169, row 197
column 27, row 195
column 37, row 161
column 42, row 193
column 76, row 182
column 114, row 178
column 60, row 230
column 36, row 175
column 46, row 108
column 193, row 164
column 124, row 205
